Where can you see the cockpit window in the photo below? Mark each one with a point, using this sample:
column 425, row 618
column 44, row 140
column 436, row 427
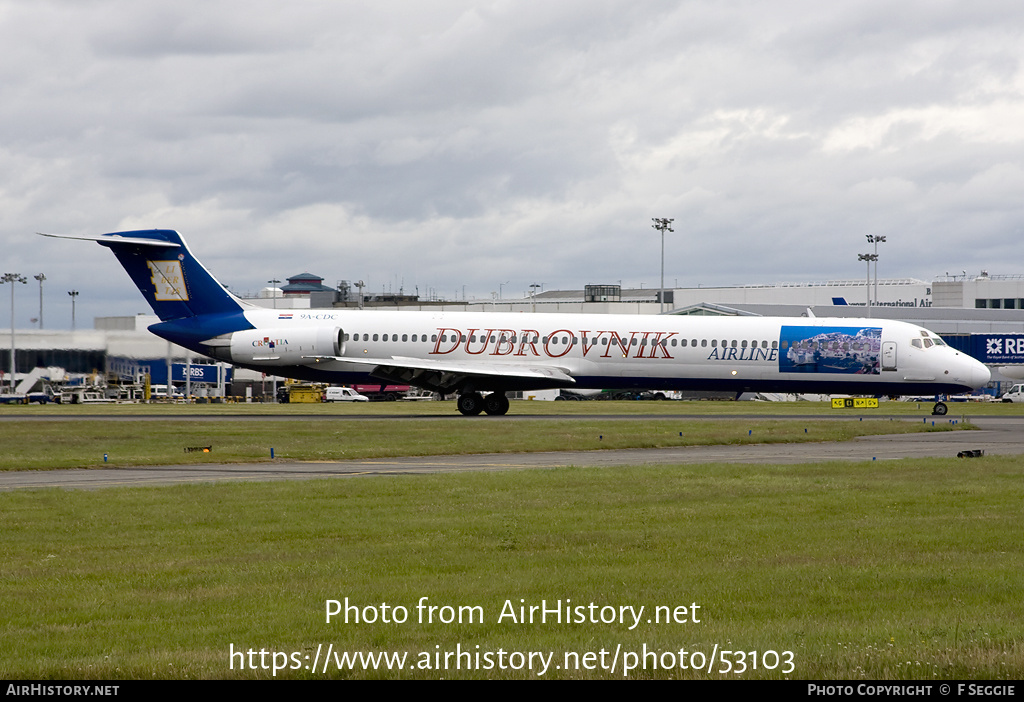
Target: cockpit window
column 927, row 340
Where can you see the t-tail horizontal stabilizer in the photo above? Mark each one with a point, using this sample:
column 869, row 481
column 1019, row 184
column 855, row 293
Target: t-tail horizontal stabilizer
column 175, row 284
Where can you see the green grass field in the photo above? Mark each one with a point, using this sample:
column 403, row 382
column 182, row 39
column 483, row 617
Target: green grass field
column 38, row 445
column 883, row 570
column 906, row 569
column 519, row 407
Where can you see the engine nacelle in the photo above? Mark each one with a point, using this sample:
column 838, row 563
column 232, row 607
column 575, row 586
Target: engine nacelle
column 286, row 346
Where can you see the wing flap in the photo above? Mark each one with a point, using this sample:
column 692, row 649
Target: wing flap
column 449, row 375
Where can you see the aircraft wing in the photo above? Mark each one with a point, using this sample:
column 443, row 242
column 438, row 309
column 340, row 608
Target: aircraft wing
column 445, row 376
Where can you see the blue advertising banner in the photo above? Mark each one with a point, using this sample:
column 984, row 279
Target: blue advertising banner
column 131, row 369
column 850, row 350
column 998, row 348
column 198, row 374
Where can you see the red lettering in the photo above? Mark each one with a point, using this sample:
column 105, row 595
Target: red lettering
column 505, row 344
column 441, row 335
column 661, row 344
column 617, row 340
column 584, row 337
column 485, row 337
column 529, row 338
column 552, row 337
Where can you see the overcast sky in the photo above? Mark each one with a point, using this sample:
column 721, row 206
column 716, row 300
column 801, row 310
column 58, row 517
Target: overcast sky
column 445, row 146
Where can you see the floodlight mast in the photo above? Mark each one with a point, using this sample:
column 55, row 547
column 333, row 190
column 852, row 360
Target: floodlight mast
column 273, row 290
column 73, row 294
column 867, row 283
column 13, row 278
column 662, row 224
column 40, row 277
column 876, row 240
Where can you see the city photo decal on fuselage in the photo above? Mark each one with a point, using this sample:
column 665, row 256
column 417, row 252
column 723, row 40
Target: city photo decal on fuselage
column 848, row 350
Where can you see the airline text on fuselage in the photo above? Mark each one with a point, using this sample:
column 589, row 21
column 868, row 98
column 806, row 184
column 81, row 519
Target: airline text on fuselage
column 269, row 343
column 530, row 342
column 604, row 343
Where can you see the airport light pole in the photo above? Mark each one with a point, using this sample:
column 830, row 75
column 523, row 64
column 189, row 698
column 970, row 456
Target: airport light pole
column 273, row 290
column 876, row 240
column 73, row 294
column 40, row 278
column 360, row 285
column 662, row 225
column 867, row 283
column 533, row 294
column 13, row 278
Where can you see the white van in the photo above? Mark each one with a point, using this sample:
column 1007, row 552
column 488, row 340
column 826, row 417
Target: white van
column 160, row 392
column 344, row 395
column 1014, row 394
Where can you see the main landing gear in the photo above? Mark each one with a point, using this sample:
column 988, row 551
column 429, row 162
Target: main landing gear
column 472, row 403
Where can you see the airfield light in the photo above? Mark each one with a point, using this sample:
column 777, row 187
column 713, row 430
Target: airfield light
column 273, row 290
column 73, row 294
column 876, row 240
column 662, row 224
column 12, row 278
column 867, row 284
column 40, row 277
column 533, row 294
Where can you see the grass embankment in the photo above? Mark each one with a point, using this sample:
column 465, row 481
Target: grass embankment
column 897, row 569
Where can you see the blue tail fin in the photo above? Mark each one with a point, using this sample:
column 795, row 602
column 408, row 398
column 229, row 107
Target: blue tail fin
column 174, row 283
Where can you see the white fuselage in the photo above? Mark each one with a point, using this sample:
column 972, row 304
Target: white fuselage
column 610, row 351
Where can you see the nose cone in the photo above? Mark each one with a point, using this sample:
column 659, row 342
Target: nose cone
column 979, row 375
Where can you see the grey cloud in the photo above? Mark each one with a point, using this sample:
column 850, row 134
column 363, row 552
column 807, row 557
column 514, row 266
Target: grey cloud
column 452, row 143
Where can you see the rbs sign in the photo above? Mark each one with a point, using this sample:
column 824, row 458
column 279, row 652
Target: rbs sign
column 197, row 373
column 999, row 348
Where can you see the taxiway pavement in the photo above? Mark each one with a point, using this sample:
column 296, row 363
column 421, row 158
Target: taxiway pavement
column 994, row 436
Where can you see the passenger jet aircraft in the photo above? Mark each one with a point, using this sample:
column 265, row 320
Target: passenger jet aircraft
column 481, row 355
